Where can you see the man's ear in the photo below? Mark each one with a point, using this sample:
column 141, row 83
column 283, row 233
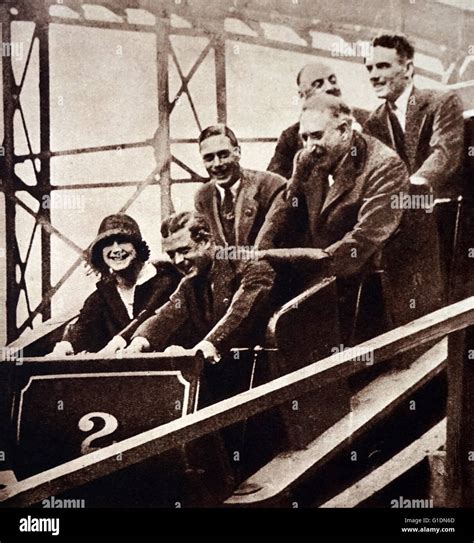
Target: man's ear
column 236, row 151
column 409, row 69
column 345, row 128
column 207, row 243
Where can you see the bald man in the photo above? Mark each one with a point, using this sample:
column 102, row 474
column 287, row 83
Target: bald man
column 314, row 78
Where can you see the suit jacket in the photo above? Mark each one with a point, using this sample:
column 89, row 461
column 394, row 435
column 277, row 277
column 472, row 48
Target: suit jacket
column 255, row 197
column 289, row 143
column 104, row 314
column 355, row 219
column 434, row 134
column 226, row 306
column 357, row 225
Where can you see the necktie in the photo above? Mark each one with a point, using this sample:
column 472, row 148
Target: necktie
column 398, row 134
column 228, row 216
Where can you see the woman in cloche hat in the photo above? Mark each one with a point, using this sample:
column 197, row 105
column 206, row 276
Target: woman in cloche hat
column 130, row 289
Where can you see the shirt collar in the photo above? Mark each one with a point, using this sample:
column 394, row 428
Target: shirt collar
column 146, row 273
column 233, row 189
column 401, row 102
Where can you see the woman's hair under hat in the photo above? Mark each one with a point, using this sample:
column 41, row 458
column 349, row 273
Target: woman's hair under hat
column 120, row 227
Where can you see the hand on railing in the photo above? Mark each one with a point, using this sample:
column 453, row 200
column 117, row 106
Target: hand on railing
column 138, row 345
column 208, row 350
column 177, row 350
column 61, row 349
column 117, row 343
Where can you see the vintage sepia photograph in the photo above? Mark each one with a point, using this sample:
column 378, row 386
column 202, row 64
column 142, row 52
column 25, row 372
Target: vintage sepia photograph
column 237, row 264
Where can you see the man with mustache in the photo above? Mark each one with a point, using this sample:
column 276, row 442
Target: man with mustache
column 129, row 289
column 235, row 201
column 339, row 198
column 314, row 78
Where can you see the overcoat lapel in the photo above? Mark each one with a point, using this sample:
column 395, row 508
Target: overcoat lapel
column 112, row 299
column 416, row 116
column 245, row 208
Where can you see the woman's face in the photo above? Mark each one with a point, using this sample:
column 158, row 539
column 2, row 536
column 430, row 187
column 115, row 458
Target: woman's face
column 118, row 254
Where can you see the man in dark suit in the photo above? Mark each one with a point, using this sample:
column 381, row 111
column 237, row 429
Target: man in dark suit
column 340, row 198
column 219, row 304
column 313, row 78
column 235, row 201
column 425, row 127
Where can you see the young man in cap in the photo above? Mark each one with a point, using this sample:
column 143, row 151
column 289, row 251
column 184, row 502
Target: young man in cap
column 129, row 290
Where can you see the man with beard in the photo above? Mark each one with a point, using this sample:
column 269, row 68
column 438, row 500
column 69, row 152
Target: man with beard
column 314, row 78
column 236, row 200
column 129, row 290
column 339, row 199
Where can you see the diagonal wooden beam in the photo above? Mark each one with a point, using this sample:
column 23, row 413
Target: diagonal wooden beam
column 398, row 465
column 193, row 70
column 220, row 415
column 376, row 401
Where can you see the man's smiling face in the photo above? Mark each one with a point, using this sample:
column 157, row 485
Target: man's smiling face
column 221, row 159
column 389, row 74
column 189, row 256
column 323, row 136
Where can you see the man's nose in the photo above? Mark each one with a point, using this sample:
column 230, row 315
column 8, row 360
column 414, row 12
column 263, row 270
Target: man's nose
column 375, row 73
column 327, row 85
column 310, row 142
column 178, row 259
column 115, row 246
column 216, row 161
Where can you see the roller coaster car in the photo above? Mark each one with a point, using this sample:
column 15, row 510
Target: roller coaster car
column 58, row 410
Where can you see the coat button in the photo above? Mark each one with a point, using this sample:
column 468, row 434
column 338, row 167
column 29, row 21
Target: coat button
column 249, row 212
column 226, row 301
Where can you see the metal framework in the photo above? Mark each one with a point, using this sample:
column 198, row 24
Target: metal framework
column 205, row 18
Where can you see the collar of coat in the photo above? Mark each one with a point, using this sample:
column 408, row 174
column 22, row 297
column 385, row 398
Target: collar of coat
column 246, row 205
column 111, row 297
column 345, row 173
column 379, row 126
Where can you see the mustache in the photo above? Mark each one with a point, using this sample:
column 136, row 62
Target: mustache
column 220, row 169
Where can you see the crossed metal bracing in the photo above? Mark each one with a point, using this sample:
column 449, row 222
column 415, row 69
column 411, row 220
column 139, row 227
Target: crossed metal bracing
column 203, row 18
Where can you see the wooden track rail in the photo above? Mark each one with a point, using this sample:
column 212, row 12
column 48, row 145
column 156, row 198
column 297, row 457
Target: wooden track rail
column 97, row 464
column 372, row 404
